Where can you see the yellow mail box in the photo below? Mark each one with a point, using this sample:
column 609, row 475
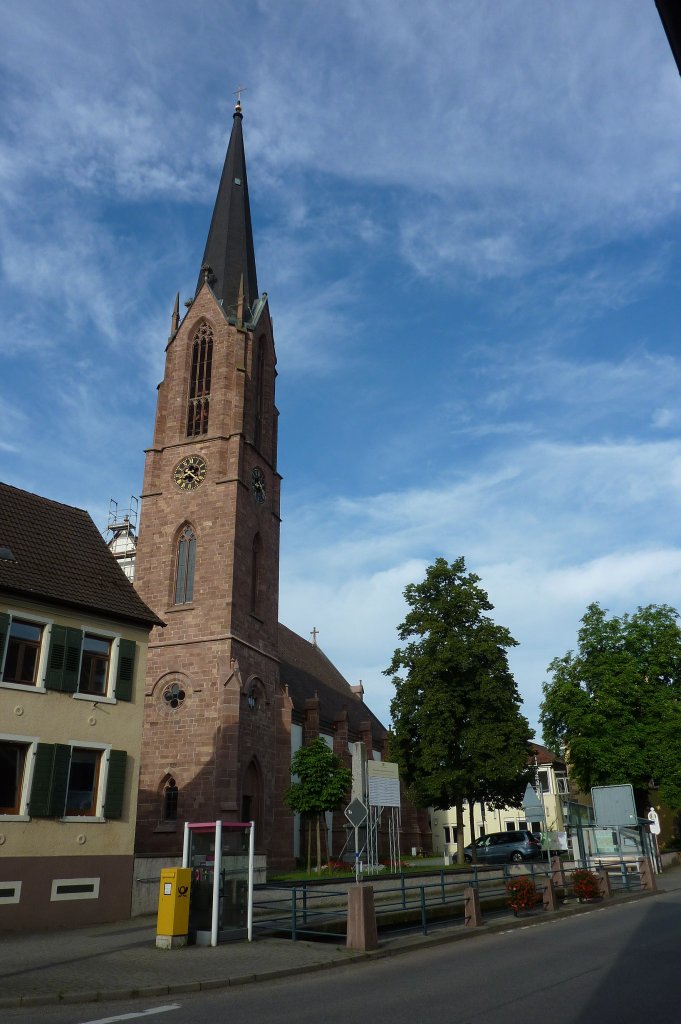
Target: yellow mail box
column 173, row 901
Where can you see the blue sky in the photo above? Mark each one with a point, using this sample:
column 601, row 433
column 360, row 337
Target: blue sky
column 467, row 220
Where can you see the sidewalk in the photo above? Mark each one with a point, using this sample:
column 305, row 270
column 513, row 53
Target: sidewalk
column 120, row 961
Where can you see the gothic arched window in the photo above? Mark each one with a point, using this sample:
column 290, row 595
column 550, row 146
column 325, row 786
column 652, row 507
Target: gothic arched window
column 259, row 392
column 186, row 560
column 256, row 572
column 170, row 795
column 198, row 405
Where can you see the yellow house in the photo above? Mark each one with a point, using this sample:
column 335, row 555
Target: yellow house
column 549, row 780
column 73, row 648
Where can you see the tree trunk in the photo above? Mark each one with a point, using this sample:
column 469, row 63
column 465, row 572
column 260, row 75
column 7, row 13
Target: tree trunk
column 471, row 825
column 319, row 847
column 459, row 832
column 326, row 843
column 309, row 846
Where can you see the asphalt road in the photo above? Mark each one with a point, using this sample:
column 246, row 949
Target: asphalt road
column 618, row 964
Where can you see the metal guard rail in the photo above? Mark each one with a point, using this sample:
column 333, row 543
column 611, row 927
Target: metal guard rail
column 301, row 907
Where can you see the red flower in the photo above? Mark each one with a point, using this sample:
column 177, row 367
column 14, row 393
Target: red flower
column 522, row 893
column 585, row 884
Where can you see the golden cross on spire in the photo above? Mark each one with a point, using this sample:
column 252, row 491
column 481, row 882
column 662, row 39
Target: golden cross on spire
column 237, row 92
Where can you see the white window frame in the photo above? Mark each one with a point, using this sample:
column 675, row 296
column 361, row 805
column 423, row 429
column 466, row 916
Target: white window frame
column 104, row 749
column 115, row 641
column 56, row 896
column 31, row 742
column 547, row 772
column 16, row 895
column 41, row 668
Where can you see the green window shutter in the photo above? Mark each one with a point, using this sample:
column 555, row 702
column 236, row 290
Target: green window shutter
column 50, row 778
column 115, row 784
column 60, row 779
column 56, row 658
column 125, row 677
column 41, row 787
column 4, row 633
column 74, row 642
column 64, row 659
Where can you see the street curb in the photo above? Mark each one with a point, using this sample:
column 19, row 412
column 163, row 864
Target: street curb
column 409, row 946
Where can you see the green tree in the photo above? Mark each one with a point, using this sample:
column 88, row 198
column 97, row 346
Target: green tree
column 614, row 707
column 320, row 783
column 458, row 733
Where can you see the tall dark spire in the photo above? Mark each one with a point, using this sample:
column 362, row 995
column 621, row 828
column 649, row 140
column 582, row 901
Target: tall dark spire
column 229, row 249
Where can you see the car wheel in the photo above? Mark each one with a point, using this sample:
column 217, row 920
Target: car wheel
column 517, row 857
column 469, row 860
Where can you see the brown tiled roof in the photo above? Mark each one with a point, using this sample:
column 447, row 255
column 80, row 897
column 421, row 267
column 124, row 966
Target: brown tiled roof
column 307, row 672
column 58, row 556
column 544, row 755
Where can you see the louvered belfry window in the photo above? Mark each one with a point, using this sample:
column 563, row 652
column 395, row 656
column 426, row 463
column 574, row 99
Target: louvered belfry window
column 260, row 393
column 199, row 383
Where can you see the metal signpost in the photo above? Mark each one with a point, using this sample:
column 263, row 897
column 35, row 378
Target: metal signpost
column 534, row 811
column 383, row 779
column 655, row 830
column 375, row 788
column 615, row 813
column 356, row 813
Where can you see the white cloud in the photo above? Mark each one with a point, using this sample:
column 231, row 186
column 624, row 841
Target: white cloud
column 518, row 167
column 551, row 530
column 495, row 172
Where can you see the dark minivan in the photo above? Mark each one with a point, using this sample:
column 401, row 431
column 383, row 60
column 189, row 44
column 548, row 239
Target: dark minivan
column 498, row 847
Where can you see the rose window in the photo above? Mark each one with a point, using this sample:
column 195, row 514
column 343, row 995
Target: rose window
column 173, row 696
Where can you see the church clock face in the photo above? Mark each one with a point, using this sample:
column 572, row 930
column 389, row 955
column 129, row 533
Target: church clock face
column 189, row 472
column 258, row 486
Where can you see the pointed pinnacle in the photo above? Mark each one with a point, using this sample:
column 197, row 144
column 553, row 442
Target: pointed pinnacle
column 175, row 319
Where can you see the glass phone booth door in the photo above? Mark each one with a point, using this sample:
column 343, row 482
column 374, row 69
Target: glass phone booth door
column 219, row 909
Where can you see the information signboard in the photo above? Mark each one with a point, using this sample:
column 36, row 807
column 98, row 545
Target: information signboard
column 384, row 784
column 614, row 806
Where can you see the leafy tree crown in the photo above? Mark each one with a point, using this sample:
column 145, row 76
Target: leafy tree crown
column 320, row 780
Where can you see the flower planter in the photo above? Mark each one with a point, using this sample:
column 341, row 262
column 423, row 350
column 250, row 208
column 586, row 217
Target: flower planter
column 522, row 894
column 587, row 886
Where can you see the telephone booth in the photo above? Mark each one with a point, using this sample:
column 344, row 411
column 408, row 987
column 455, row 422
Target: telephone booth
column 220, row 856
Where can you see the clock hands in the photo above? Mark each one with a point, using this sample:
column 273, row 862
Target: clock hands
column 258, row 485
column 190, row 472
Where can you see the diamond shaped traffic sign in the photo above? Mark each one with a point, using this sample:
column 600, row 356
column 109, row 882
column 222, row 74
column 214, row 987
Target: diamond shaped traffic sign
column 356, row 812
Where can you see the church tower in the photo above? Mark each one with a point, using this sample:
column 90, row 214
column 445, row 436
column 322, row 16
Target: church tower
column 208, row 549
